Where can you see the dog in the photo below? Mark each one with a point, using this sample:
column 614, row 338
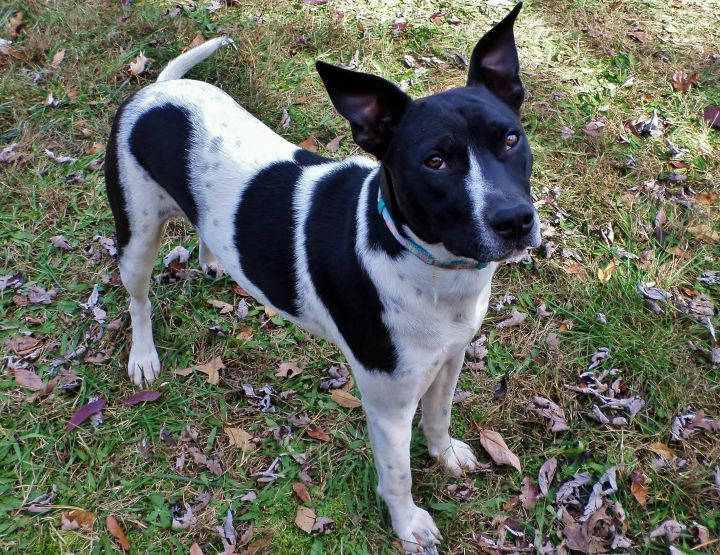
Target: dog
column 391, row 260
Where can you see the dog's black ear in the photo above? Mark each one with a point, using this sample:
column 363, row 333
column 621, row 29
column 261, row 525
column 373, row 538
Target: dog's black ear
column 372, row 105
column 495, row 64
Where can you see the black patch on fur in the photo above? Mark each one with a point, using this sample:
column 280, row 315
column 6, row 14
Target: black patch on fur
column 160, row 141
column 116, row 196
column 340, row 280
column 379, row 236
column 307, row 158
column 264, row 234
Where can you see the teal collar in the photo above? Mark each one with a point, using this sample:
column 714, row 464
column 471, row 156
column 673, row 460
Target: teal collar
column 415, row 249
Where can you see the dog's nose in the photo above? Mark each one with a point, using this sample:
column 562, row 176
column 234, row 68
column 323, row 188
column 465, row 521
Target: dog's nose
column 513, row 223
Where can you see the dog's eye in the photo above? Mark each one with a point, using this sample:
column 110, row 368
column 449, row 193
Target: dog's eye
column 435, row 162
column 511, row 140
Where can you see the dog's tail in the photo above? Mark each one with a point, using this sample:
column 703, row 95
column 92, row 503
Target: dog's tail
column 185, row 62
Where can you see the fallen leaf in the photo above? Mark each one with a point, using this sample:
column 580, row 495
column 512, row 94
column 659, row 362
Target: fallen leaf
column 345, row 399
column 663, row 450
column 47, row 389
column 707, row 197
column 323, row 525
column 240, row 438
column 211, row 369
column 289, row 370
column 58, row 59
column 593, row 128
column 195, row 549
column 9, row 154
column 85, row 412
column 639, row 482
column 515, row 319
column 496, row 447
column 228, row 534
column 137, row 66
column 197, row 41
column 305, row 519
column 60, row 242
column 28, row 379
column 604, row 274
column 546, row 475
column 184, row 520
column 529, row 494
column 316, row 432
column 116, row 530
column 178, row 254
column 670, row 529
column 246, row 334
column 705, row 233
column 711, row 115
column 77, row 518
column 142, row 397
column 682, row 81
column 301, row 490
column 334, row 145
column 310, row 144
column 15, row 24
column 638, row 35
column 95, row 148
column 24, row 344
column 222, row 306
column 38, row 295
column 269, row 312
column 545, row 408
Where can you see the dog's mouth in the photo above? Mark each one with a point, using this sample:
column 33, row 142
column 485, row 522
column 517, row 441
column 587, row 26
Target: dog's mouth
column 513, row 255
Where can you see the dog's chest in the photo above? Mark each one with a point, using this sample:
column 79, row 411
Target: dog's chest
column 437, row 318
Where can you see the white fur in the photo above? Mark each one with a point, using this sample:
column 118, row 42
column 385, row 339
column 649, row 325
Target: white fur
column 431, row 313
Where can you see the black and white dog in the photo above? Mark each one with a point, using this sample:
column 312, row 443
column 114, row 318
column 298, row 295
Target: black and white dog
column 390, row 260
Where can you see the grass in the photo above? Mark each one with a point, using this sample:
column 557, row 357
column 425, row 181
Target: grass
column 579, row 66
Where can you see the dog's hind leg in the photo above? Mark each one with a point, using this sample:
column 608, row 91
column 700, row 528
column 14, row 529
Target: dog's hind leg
column 456, row 456
column 210, row 265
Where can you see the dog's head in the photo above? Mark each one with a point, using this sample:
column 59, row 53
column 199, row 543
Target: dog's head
column 456, row 164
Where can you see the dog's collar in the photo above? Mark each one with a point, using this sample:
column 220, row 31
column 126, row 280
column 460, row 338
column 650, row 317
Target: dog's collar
column 412, row 247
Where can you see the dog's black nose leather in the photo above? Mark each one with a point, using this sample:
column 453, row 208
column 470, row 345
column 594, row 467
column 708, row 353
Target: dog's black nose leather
column 514, row 222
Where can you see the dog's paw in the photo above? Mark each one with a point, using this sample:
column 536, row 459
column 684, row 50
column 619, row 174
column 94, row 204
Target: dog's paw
column 213, row 269
column 419, row 533
column 143, row 366
column 457, row 459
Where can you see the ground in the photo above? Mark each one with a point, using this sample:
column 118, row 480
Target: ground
column 590, row 67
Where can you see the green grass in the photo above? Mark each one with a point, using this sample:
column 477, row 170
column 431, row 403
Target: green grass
column 572, row 78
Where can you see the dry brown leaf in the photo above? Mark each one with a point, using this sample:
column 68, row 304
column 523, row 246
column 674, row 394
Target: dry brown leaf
column 137, row 66
column 604, row 274
column 24, row 344
column 29, row 379
column 211, row 369
column 310, row 144
column 496, row 447
column 639, row 482
column 77, row 518
column 574, row 267
column 707, row 197
column 197, row 41
column 240, row 438
column 705, row 233
column 663, row 450
column 289, row 370
column 246, row 334
column 316, row 432
column 95, row 148
column 334, row 145
column 546, row 475
column 682, row 81
column 529, row 494
column 345, row 399
column 305, row 519
column 58, row 59
column 515, row 319
column 269, row 312
column 116, row 530
column 301, row 490
column 15, row 25
column 222, row 306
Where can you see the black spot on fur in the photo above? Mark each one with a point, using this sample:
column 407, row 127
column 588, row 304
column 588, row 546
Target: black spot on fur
column 160, row 141
column 264, row 234
column 339, row 278
column 113, row 187
column 307, row 158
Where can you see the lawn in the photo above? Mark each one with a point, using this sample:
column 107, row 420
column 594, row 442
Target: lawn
column 631, row 214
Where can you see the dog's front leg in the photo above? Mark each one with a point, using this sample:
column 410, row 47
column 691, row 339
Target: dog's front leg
column 456, row 456
column 389, row 419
